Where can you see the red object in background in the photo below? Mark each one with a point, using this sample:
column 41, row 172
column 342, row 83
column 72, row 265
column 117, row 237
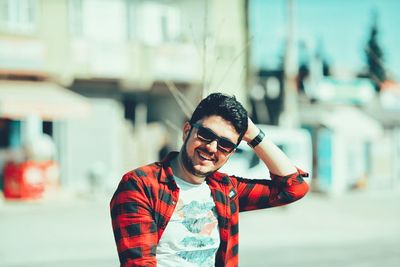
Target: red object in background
column 24, row 180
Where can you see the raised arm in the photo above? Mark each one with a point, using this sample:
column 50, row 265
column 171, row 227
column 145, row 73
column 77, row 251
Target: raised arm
column 277, row 162
column 286, row 184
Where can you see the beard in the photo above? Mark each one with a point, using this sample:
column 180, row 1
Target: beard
column 188, row 162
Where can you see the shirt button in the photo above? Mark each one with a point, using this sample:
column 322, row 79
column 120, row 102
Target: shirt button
column 173, row 202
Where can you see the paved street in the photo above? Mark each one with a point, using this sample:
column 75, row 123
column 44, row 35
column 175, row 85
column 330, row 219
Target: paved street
column 357, row 230
column 66, row 232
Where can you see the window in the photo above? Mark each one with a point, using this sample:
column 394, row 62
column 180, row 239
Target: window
column 76, row 18
column 10, row 133
column 151, row 22
column 18, row 16
column 132, row 15
column 98, row 19
column 159, row 22
column 4, row 133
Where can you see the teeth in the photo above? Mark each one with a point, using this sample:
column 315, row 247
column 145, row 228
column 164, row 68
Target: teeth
column 205, row 156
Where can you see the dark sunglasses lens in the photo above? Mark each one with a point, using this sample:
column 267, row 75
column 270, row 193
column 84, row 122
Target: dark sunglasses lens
column 226, row 145
column 206, row 134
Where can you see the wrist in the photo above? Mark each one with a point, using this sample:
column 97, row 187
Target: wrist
column 257, row 139
column 251, row 133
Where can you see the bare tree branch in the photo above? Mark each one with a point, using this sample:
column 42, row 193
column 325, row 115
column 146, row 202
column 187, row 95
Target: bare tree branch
column 204, row 74
column 172, row 125
column 183, row 102
column 241, row 52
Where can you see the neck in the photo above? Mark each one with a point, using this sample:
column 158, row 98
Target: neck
column 180, row 171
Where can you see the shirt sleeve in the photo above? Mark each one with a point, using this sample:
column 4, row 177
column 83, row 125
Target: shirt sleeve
column 280, row 190
column 135, row 230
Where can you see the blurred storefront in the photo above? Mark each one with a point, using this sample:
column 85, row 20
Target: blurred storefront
column 355, row 134
column 386, row 152
column 28, row 111
column 118, row 68
column 343, row 138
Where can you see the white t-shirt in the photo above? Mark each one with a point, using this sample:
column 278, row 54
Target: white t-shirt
column 191, row 237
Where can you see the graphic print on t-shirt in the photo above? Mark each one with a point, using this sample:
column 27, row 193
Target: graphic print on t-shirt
column 198, row 218
column 191, row 237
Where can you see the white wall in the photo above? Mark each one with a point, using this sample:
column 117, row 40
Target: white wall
column 92, row 145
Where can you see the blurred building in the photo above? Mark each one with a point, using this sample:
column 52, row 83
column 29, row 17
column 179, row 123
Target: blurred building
column 92, row 73
column 354, row 129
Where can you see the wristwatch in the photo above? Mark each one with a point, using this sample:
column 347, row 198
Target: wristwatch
column 253, row 143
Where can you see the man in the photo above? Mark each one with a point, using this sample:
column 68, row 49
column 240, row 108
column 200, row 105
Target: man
column 182, row 211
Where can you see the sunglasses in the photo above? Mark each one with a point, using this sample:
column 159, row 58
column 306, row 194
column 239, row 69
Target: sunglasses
column 207, row 135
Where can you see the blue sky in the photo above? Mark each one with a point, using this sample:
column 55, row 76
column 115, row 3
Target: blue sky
column 341, row 26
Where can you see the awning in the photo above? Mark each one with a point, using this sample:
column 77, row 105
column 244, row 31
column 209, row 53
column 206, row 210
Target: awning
column 353, row 122
column 49, row 101
column 347, row 120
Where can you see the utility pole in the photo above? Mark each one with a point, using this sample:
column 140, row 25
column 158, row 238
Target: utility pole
column 290, row 115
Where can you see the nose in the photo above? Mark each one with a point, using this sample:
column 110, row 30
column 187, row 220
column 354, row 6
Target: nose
column 212, row 146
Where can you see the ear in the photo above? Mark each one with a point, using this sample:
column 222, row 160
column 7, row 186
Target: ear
column 186, row 130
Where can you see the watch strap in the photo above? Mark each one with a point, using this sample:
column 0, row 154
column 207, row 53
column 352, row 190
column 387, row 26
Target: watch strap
column 253, row 143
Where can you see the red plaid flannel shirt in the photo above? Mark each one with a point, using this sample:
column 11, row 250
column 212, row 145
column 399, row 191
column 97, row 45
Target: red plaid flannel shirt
column 146, row 197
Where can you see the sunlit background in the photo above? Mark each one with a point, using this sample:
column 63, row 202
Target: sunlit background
column 90, row 89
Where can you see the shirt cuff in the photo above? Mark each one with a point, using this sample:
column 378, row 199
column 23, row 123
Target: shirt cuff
column 288, row 179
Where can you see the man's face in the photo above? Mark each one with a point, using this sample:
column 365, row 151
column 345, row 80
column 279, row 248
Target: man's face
column 202, row 158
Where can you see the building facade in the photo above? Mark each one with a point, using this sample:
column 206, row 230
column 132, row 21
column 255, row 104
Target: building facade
column 125, row 66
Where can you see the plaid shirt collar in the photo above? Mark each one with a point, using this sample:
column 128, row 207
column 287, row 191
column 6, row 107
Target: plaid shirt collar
column 167, row 176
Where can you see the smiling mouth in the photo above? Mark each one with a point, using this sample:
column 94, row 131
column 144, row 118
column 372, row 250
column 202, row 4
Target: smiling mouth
column 205, row 156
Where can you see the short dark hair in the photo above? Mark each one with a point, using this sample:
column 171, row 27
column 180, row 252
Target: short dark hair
column 225, row 106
